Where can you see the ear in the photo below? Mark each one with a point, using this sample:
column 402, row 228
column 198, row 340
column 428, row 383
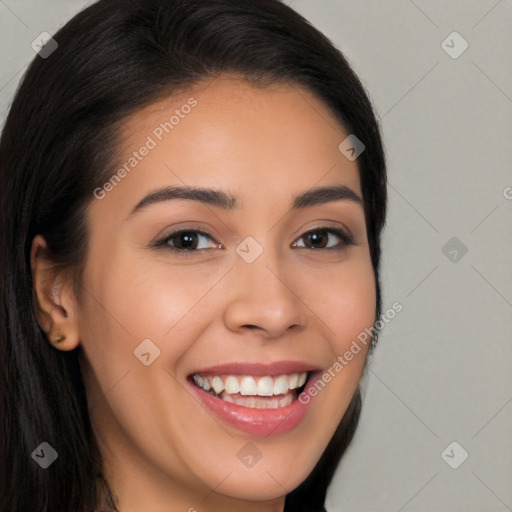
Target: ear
column 55, row 302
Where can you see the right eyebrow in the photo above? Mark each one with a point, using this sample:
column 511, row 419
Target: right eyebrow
column 217, row 198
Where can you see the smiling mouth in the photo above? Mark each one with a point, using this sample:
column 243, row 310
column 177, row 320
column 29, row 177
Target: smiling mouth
column 256, row 392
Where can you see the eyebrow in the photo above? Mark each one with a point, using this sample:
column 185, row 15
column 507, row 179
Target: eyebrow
column 228, row 201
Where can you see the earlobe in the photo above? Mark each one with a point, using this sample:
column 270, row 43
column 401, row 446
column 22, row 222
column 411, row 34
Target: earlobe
column 54, row 299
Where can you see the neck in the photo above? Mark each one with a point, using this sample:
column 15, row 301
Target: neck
column 136, row 497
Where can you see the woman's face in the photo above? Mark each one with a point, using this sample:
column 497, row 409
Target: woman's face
column 241, row 298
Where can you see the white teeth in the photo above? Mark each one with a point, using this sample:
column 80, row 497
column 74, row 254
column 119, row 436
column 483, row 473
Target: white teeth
column 247, row 385
column 259, row 403
column 293, row 382
column 232, row 386
column 281, row 385
column 265, row 386
column 217, row 385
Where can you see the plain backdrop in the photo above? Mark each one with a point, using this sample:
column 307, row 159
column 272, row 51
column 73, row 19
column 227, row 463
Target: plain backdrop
column 440, row 386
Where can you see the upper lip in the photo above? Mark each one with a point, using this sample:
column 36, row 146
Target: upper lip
column 257, row 369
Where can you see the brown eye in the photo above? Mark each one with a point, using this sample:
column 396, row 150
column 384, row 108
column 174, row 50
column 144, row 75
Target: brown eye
column 316, row 238
column 184, row 240
column 189, row 240
column 319, row 238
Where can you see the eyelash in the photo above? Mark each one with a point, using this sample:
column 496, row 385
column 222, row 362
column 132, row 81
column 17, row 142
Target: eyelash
column 346, row 240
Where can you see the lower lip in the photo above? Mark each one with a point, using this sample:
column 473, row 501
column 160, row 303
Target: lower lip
column 260, row 422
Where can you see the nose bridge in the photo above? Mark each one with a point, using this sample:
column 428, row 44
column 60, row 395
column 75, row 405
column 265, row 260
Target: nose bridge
column 261, row 292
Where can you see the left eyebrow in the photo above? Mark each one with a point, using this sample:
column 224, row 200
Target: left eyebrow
column 228, row 201
column 325, row 195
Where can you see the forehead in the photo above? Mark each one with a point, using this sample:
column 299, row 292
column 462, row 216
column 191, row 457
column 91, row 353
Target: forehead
column 228, row 131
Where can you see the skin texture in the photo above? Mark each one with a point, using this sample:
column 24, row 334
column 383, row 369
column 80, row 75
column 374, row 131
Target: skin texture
column 162, row 450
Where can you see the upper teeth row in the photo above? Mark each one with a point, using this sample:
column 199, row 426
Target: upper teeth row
column 248, row 385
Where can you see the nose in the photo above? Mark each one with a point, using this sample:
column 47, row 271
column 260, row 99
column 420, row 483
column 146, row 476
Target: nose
column 262, row 297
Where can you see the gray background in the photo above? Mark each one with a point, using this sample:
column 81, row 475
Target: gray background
column 441, row 370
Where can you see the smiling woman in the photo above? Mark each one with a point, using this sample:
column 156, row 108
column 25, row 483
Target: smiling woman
column 171, row 340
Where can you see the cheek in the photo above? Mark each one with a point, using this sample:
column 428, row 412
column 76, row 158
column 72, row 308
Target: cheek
column 125, row 306
column 346, row 304
column 355, row 310
column 127, row 302
column 349, row 312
